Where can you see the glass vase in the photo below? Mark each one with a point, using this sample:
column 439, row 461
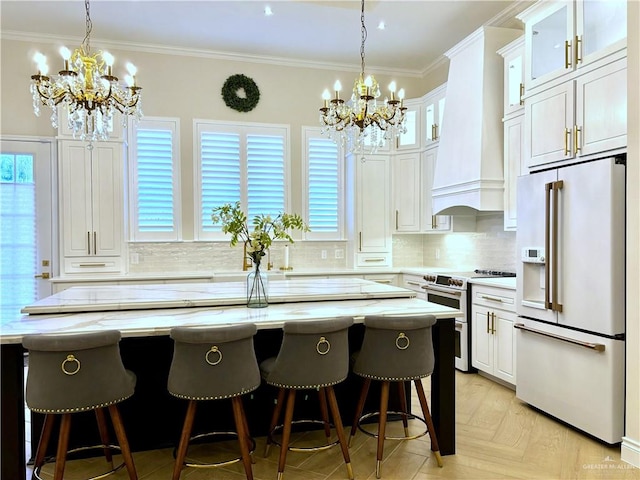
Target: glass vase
column 257, row 288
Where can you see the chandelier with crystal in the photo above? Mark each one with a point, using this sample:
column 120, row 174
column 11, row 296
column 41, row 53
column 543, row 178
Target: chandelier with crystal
column 363, row 123
column 87, row 89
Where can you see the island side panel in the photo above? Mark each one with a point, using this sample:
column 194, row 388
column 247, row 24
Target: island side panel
column 12, row 437
column 443, row 385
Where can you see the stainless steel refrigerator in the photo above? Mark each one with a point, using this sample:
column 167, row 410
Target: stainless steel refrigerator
column 571, row 294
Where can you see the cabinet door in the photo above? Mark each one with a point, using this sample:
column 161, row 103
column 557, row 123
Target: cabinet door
column 106, row 182
column 406, row 177
column 429, row 221
column 433, row 114
column 548, row 40
column 504, row 345
column 481, row 339
column 601, row 109
column 513, row 55
column 601, row 29
column 549, row 120
column 411, row 138
column 75, row 198
column 513, row 167
column 373, row 204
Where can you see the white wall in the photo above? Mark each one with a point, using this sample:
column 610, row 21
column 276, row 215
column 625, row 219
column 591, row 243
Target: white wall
column 631, row 441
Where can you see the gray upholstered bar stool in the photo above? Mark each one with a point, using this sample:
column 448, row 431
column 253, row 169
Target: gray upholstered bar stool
column 396, row 349
column 314, row 355
column 75, row 373
column 212, row 363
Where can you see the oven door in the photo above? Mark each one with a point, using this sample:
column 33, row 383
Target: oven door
column 457, row 299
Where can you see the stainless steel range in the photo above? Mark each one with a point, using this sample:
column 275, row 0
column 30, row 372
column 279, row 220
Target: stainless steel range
column 450, row 289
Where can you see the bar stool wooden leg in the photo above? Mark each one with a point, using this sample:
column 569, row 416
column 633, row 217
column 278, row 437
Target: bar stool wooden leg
column 63, row 442
column 243, row 435
column 382, row 425
column 403, row 407
column 359, row 408
column 274, row 420
column 325, row 413
column 427, row 417
column 104, row 434
column 247, row 431
column 286, row 432
column 337, row 421
column 43, row 443
column 118, row 427
column 184, row 439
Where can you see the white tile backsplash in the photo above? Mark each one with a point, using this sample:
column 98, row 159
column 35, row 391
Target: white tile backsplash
column 489, row 247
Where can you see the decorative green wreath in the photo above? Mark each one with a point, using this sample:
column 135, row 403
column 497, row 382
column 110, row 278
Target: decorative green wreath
column 233, row 85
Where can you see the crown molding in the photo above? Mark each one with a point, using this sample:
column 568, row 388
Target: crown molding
column 200, row 53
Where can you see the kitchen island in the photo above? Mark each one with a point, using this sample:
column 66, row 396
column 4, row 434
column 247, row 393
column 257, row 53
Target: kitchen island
column 146, row 349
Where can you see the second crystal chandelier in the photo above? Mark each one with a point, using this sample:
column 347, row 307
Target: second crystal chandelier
column 361, row 124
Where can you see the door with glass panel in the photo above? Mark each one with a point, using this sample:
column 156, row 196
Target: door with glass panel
column 26, row 219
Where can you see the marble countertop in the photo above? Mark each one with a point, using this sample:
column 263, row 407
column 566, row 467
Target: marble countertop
column 136, row 297
column 155, row 322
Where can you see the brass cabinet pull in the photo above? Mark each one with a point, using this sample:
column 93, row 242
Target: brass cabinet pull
column 95, row 243
column 396, row 219
column 493, row 299
column 437, row 133
column 434, row 223
column 578, row 50
column 567, row 133
column 567, row 55
column 43, row 275
column 433, row 132
column 493, row 326
column 360, row 241
column 521, row 93
column 88, row 243
column 598, row 347
column 416, row 284
column 374, row 260
column 576, row 139
column 488, row 331
column 92, row 265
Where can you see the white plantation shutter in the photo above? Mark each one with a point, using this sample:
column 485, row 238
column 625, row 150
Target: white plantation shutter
column 325, row 198
column 220, row 173
column 265, row 175
column 18, row 218
column 246, row 163
column 155, row 181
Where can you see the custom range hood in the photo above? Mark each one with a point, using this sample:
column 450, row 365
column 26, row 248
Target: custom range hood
column 468, row 175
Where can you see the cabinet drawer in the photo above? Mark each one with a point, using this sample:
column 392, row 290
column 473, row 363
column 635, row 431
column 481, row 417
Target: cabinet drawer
column 93, row 265
column 413, row 282
column 373, row 259
column 493, row 297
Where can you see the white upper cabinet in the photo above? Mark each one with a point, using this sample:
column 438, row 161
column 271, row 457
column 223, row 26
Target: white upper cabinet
column 406, row 192
column 513, row 76
column 434, row 103
column 563, row 36
column 410, row 140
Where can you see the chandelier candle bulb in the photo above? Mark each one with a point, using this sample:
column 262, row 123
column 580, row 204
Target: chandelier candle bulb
column 66, row 55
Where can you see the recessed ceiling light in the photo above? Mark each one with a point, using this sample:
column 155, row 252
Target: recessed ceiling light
column 382, row 25
column 267, row 11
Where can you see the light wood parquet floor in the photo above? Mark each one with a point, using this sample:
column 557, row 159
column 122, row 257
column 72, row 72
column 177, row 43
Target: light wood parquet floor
column 497, row 437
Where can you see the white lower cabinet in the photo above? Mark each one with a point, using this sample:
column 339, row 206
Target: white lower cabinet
column 493, row 339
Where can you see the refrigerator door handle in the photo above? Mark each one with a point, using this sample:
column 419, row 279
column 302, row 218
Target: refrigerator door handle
column 598, row 347
column 555, row 306
column 547, row 245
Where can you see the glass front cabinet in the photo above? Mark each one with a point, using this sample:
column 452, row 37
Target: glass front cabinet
column 561, row 37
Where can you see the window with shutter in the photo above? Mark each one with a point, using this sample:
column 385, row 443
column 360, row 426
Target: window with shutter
column 240, row 162
column 325, row 188
column 155, row 180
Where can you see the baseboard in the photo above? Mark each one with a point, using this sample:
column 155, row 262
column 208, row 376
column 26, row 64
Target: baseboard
column 630, row 451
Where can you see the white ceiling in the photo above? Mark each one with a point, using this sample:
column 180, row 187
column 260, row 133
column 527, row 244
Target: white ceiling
column 313, row 32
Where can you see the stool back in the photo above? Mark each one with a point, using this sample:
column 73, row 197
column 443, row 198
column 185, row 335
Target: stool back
column 313, row 354
column 76, row 372
column 213, row 362
column 396, row 348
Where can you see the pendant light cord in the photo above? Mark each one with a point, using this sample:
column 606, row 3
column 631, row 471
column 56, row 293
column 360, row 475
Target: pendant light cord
column 363, row 32
column 86, row 43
